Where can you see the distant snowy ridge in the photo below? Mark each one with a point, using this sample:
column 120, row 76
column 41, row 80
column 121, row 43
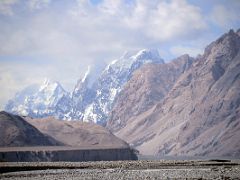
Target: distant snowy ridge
column 101, row 93
column 92, row 97
column 39, row 102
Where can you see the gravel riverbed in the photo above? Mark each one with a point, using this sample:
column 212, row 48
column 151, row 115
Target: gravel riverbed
column 121, row 170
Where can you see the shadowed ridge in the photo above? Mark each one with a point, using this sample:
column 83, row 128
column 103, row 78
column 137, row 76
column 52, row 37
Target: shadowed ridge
column 15, row 131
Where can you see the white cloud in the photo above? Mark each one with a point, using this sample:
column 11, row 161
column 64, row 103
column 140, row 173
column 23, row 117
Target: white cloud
column 6, row 6
column 180, row 50
column 158, row 20
column 13, row 79
column 225, row 16
column 38, row 4
column 165, row 20
column 112, row 7
column 6, row 80
column 110, row 24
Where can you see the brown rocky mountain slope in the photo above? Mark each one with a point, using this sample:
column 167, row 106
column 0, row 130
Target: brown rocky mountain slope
column 200, row 115
column 15, row 131
column 76, row 133
column 147, row 87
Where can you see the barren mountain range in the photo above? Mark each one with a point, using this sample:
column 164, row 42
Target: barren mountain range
column 77, row 133
column 16, row 131
column 189, row 106
column 185, row 107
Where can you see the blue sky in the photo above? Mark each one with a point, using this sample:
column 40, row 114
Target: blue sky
column 58, row 39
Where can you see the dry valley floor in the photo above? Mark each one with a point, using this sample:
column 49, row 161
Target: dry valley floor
column 170, row 169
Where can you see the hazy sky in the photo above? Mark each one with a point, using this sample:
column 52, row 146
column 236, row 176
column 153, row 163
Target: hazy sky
column 58, row 39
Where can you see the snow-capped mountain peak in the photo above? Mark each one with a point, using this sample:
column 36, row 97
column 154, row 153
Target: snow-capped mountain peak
column 142, row 56
column 148, row 54
column 49, row 86
column 111, row 81
column 40, row 102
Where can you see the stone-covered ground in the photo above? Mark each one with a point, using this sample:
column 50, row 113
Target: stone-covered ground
column 163, row 169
